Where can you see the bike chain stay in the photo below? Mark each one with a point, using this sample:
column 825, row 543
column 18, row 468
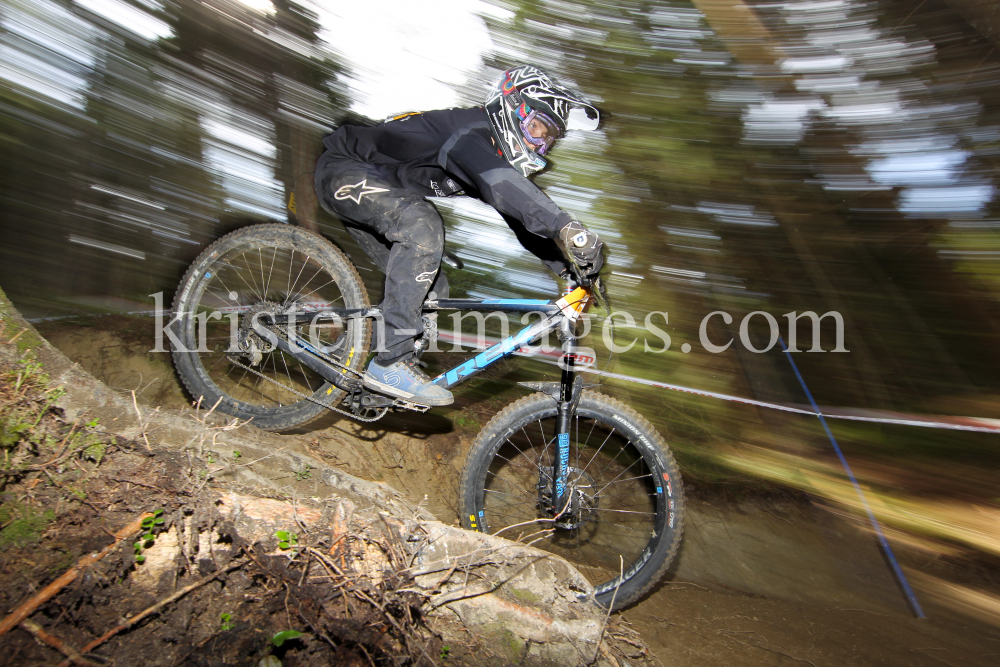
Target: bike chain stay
column 319, row 353
column 397, row 403
column 381, row 411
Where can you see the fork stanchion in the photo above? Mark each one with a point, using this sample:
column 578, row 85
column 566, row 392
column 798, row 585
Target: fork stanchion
column 560, row 465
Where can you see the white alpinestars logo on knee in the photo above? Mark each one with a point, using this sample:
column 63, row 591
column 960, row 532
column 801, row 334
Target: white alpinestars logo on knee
column 426, row 277
column 357, row 191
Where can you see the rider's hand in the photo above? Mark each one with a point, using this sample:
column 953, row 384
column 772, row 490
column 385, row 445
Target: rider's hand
column 584, row 246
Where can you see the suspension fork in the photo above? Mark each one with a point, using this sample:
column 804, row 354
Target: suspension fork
column 568, row 398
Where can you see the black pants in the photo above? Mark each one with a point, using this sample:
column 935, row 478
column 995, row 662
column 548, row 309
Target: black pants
column 402, row 233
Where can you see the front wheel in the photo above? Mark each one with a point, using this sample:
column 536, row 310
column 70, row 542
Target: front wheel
column 626, row 514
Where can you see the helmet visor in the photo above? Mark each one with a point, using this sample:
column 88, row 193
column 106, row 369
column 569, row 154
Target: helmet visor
column 539, row 131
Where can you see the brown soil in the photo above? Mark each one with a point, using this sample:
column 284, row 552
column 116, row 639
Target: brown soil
column 763, row 577
column 67, row 487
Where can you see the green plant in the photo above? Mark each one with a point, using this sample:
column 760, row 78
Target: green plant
column 284, row 636
column 26, row 528
column 12, row 431
column 31, row 369
column 149, row 537
column 287, row 540
column 236, row 456
column 305, row 473
column 95, row 452
column 52, row 396
column 464, row 421
column 445, row 650
column 226, row 621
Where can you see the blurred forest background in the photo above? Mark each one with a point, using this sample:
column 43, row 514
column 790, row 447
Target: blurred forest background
column 827, row 155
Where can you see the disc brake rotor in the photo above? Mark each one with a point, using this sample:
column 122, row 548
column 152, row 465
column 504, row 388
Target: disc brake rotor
column 583, row 492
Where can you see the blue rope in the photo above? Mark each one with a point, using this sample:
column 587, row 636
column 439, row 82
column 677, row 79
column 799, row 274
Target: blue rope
column 911, row 596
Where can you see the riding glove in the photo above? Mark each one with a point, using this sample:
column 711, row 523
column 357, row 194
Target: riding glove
column 584, row 246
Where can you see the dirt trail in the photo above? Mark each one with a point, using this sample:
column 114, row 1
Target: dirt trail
column 760, row 579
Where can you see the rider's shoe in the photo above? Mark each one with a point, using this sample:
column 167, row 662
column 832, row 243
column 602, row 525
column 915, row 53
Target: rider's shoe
column 403, row 379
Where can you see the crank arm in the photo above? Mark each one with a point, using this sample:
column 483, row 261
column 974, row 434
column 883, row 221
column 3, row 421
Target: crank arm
column 366, row 400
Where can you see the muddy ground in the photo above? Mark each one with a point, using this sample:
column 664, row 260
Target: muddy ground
column 764, row 576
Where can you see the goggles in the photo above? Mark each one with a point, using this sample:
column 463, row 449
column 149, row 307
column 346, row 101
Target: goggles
column 539, row 130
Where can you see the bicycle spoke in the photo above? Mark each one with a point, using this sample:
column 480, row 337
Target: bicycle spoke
column 511, row 443
column 263, row 296
column 303, row 296
column 291, row 289
column 614, row 515
column 598, row 449
column 313, row 277
column 274, row 254
column 619, row 474
column 255, row 291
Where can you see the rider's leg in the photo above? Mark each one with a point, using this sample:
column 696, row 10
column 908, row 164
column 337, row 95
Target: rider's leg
column 404, row 235
column 417, row 237
column 411, row 270
column 377, row 247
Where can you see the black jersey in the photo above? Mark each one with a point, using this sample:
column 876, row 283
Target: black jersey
column 448, row 152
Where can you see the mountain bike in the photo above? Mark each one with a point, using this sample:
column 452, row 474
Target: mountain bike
column 271, row 323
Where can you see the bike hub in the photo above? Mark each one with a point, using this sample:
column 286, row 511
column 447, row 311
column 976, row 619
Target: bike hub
column 252, row 345
column 581, row 489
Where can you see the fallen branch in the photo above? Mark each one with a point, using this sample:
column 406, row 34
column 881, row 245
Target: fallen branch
column 56, row 643
column 142, row 427
column 604, row 626
column 155, row 608
column 28, row 607
column 17, row 336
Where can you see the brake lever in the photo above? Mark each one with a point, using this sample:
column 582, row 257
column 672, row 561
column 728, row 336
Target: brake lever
column 578, row 276
column 601, row 294
column 596, row 284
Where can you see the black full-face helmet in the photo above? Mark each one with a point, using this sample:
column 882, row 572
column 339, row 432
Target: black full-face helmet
column 529, row 111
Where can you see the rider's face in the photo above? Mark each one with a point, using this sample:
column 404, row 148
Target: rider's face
column 538, row 130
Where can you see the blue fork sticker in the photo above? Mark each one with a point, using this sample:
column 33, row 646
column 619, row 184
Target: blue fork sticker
column 563, row 463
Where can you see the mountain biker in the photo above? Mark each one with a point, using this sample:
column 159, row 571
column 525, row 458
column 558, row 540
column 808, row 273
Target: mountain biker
column 375, row 179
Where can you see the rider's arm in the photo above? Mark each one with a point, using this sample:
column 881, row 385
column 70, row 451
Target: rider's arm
column 473, row 159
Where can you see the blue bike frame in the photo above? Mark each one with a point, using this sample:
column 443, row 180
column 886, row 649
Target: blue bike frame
column 561, row 316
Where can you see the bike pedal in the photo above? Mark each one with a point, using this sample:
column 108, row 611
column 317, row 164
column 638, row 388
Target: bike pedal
column 407, row 405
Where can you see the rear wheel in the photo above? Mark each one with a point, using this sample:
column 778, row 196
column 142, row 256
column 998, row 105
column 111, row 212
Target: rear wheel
column 626, row 515
column 265, row 268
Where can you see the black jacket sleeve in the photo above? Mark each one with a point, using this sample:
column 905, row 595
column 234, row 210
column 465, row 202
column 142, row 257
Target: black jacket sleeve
column 471, row 157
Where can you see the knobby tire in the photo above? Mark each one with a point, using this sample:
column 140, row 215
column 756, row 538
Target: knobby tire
column 629, row 488
column 266, row 266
